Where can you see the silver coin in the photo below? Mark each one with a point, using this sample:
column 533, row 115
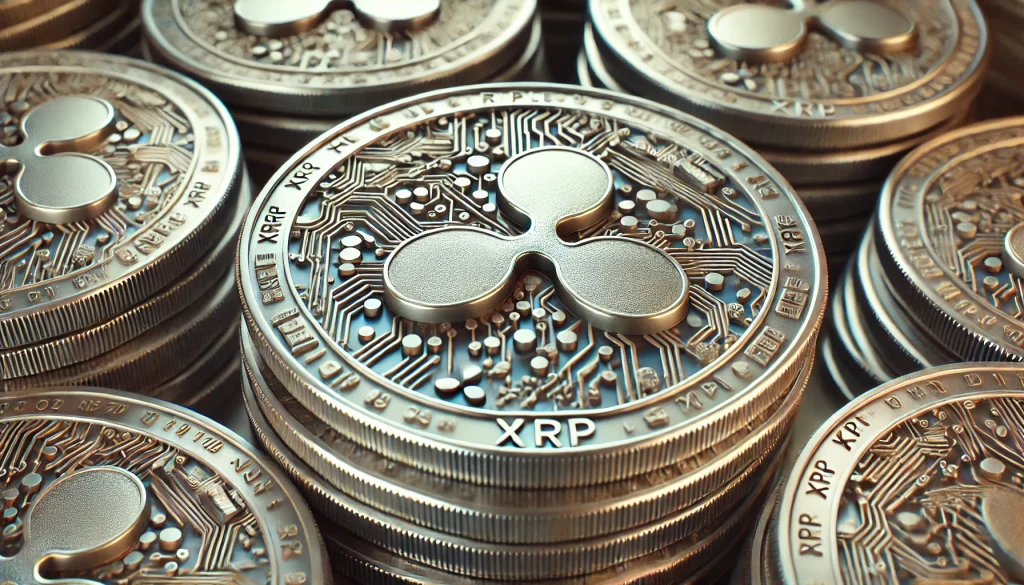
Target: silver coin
column 444, row 386
column 141, row 197
column 204, row 376
column 109, row 488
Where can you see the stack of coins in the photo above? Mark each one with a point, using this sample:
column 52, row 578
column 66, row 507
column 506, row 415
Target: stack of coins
column 529, row 332
column 918, row 481
column 107, row 488
column 111, row 26
column 563, row 22
column 120, row 207
column 289, row 71
column 1004, row 90
column 833, row 107
column 938, row 279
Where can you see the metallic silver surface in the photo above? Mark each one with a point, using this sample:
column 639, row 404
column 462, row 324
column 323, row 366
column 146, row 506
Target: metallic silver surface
column 270, row 18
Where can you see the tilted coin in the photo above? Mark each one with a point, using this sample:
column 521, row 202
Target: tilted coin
column 148, row 163
column 106, row 487
column 572, row 366
column 816, row 74
column 326, row 58
column 949, row 235
column 918, row 481
column 499, row 515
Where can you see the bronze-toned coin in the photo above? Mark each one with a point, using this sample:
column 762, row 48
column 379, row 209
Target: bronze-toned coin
column 106, row 487
column 100, row 32
column 933, row 460
column 442, row 350
column 148, row 171
column 950, row 236
column 14, row 11
column 50, row 27
column 831, row 75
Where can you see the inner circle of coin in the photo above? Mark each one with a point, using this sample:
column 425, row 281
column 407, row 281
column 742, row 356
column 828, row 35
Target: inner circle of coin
column 338, row 66
column 826, row 92
column 156, row 152
column 911, row 459
column 108, row 487
column 944, row 218
column 516, row 375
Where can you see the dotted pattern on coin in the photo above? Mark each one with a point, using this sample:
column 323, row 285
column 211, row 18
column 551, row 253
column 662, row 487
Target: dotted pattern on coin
column 175, row 159
column 339, row 66
column 948, row 221
column 528, row 379
column 920, row 480
column 108, row 488
column 827, row 95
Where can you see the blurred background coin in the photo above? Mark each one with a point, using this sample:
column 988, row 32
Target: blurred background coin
column 111, row 26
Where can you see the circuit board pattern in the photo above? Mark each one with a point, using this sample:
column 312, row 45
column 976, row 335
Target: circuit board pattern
column 529, row 352
column 824, row 71
column 966, row 216
column 150, row 150
column 935, row 500
column 200, row 530
column 340, row 42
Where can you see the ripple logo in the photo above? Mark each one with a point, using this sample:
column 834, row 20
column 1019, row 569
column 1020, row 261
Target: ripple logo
column 83, row 520
column 620, row 285
column 55, row 182
column 281, row 18
column 758, row 33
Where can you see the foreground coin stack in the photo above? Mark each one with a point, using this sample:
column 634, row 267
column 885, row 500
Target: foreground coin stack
column 939, row 277
column 918, row 481
column 116, row 255
column 1004, row 89
column 833, row 108
column 110, row 26
column 108, row 488
column 517, row 397
column 289, row 72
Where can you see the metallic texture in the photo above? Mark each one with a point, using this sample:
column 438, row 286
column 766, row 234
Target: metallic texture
column 942, row 233
column 54, row 25
column 271, row 18
column 918, row 481
column 531, row 395
column 835, row 89
column 107, row 488
column 339, row 66
column 173, row 185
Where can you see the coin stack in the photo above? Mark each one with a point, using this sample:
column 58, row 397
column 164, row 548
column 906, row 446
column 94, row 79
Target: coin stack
column 918, row 481
column 289, row 71
column 833, row 107
column 111, row 26
column 106, row 488
column 1004, row 90
column 938, row 279
column 528, row 332
column 116, row 254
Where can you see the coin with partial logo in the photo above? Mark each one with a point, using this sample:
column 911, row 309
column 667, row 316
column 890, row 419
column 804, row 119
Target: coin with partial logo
column 107, row 487
column 531, row 285
column 918, row 481
column 118, row 176
column 814, row 74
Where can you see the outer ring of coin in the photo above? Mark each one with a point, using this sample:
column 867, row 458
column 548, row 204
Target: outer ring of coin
column 848, row 123
column 208, row 442
column 843, row 440
column 287, row 91
column 87, row 297
column 918, row 277
column 625, row 444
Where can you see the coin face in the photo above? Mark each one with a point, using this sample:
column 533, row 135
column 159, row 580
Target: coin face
column 950, row 238
column 118, row 173
column 931, row 459
column 531, row 273
column 334, row 57
column 107, row 487
column 818, row 74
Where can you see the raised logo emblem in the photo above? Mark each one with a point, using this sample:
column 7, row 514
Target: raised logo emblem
column 759, row 33
column 279, row 18
column 55, row 181
column 620, row 285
